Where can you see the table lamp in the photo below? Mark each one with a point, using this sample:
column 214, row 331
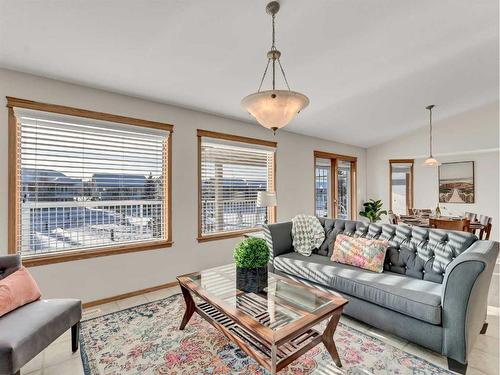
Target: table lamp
column 266, row 199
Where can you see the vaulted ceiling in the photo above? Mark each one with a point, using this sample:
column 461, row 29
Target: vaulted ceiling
column 368, row 67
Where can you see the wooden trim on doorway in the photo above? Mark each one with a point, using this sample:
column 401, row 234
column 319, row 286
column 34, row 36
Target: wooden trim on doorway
column 409, row 191
column 334, row 158
column 354, row 190
column 334, row 167
column 330, row 155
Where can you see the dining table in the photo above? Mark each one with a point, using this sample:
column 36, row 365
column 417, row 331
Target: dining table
column 423, row 221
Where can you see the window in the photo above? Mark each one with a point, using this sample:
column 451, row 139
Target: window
column 85, row 183
column 232, row 170
column 334, row 185
column 401, row 185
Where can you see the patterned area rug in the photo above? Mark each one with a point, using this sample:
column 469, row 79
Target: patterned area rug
column 146, row 340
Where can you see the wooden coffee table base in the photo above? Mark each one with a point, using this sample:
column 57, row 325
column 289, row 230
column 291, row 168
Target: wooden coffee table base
column 274, row 356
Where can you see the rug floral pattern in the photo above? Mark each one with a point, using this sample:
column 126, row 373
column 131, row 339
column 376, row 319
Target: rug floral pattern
column 145, row 340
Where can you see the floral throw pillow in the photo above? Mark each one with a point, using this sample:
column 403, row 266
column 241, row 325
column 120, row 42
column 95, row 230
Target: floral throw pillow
column 360, row 252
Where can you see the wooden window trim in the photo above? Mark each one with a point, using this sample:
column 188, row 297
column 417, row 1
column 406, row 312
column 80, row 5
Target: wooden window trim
column 226, row 235
column 272, row 211
column 13, row 183
column 67, row 256
column 235, row 138
column 78, row 112
column 334, row 191
column 409, row 202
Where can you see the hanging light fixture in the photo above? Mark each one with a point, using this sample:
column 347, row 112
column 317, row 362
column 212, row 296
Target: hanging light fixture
column 430, row 161
column 274, row 109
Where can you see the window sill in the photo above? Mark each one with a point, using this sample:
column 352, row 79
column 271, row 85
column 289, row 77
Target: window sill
column 226, row 235
column 68, row 256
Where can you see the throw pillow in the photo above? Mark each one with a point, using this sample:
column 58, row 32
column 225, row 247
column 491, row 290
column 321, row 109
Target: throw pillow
column 307, row 234
column 360, row 252
column 16, row 290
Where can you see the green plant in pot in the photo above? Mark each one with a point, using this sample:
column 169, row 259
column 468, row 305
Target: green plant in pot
column 373, row 210
column 251, row 256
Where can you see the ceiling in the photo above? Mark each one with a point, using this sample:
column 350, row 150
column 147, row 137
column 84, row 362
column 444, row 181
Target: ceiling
column 368, row 67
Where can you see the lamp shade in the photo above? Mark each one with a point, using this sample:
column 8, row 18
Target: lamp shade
column 274, row 109
column 431, row 162
column 266, row 199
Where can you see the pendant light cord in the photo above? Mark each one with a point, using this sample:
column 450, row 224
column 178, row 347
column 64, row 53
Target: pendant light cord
column 273, row 48
column 430, row 132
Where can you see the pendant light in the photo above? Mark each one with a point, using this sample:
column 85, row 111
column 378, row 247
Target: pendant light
column 274, row 109
column 430, row 161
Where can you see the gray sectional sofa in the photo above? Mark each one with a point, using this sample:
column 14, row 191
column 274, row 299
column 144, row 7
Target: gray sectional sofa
column 433, row 290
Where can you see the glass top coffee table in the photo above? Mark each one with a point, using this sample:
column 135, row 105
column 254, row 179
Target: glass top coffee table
column 274, row 326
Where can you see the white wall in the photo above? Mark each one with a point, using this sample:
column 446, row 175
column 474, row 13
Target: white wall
column 473, row 135
column 97, row 278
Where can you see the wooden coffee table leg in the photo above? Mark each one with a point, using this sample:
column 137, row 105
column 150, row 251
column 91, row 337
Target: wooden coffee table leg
column 190, row 307
column 274, row 359
column 327, row 337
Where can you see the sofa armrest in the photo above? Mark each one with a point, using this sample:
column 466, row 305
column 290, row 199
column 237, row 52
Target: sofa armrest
column 465, row 298
column 9, row 264
column 279, row 239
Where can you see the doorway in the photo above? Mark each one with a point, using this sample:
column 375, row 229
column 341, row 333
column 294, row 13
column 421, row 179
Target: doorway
column 335, row 185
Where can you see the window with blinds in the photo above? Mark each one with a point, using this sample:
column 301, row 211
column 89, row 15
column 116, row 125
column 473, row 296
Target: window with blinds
column 232, row 172
column 85, row 184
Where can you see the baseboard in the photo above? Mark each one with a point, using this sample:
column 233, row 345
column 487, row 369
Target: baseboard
column 128, row 295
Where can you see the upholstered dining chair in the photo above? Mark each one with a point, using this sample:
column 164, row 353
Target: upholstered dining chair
column 27, row 330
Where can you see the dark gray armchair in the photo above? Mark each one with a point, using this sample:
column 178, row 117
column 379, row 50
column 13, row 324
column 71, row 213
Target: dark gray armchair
column 28, row 330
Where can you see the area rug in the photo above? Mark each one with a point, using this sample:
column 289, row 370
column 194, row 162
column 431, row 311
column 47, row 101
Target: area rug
column 145, row 340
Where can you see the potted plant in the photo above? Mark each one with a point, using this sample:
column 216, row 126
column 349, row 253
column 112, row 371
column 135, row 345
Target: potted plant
column 251, row 256
column 373, row 210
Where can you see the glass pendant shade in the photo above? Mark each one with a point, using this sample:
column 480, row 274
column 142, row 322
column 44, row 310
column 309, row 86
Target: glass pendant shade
column 274, row 109
column 431, row 162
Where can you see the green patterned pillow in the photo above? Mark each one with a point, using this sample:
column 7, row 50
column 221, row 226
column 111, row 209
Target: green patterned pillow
column 360, row 252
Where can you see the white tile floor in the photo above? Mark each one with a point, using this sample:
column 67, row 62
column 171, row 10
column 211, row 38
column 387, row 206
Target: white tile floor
column 57, row 359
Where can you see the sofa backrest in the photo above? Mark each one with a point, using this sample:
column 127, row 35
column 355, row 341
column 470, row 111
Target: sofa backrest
column 416, row 252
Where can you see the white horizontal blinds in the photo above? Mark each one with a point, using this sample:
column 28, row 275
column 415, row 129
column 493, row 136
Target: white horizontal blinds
column 231, row 175
column 87, row 184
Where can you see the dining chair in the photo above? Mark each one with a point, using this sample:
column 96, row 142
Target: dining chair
column 461, row 225
column 471, row 216
column 485, row 221
column 393, row 218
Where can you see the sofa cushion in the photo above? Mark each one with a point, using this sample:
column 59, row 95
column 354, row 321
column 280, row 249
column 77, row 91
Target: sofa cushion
column 419, row 299
column 26, row 331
